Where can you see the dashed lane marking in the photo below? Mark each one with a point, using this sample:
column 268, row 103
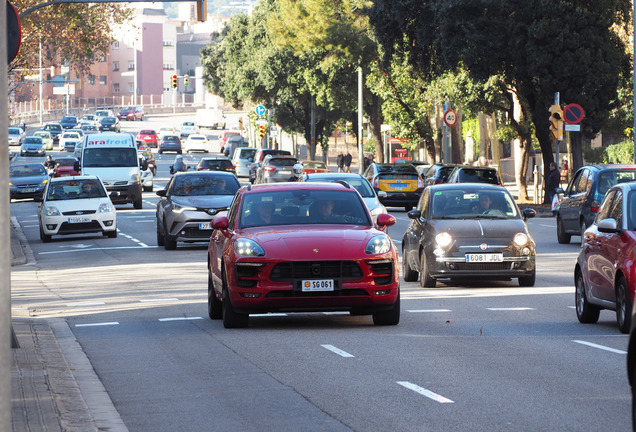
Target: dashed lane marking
column 428, row 310
column 180, row 319
column 97, row 324
column 424, row 392
column 337, row 351
column 601, row 347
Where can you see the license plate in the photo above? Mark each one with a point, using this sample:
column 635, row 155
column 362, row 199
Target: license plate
column 484, row 258
column 79, row 219
column 205, row 226
column 398, row 185
column 28, row 190
column 285, row 171
column 317, row 285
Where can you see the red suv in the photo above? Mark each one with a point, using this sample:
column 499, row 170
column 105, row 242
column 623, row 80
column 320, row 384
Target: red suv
column 148, row 136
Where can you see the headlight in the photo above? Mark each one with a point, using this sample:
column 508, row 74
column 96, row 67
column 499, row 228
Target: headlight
column 378, row 245
column 443, row 239
column 179, row 208
column 104, row 208
column 521, row 239
column 134, row 179
column 51, row 211
column 247, row 247
column 44, row 182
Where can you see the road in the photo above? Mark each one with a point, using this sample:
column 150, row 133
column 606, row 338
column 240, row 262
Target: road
column 485, row 356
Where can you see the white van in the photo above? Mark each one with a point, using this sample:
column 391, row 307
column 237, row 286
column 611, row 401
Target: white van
column 113, row 158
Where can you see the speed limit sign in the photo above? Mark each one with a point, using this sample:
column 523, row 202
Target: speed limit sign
column 450, row 118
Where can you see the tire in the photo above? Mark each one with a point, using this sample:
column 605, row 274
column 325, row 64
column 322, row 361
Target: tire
column 426, row 281
column 148, row 188
column 410, row 275
column 388, row 317
column 562, row 237
column 168, row 243
column 215, row 306
column 623, row 306
column 528, row 281
column 160, row 151
column 44, row 237
column 137, row 204
column 160, row 240
column 231, row 319
column 585, row 312
column 111, row 234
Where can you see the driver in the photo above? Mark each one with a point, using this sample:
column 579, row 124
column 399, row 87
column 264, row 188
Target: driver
column 484, row 203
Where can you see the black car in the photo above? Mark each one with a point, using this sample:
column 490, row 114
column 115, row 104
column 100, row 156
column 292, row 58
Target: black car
column 438, row 173
column 400, row 181
column 258, row 160
column 55, row 129
column 27, row 180
column 109, row 124
column 582, row 198
column 468, row 231
column 474, row 174
column 219, row 163
column 69, row 121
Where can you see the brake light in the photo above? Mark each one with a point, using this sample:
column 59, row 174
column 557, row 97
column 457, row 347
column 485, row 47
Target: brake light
column 438, row 181
column 595, row 206
column 376, row 183
column 269, row 168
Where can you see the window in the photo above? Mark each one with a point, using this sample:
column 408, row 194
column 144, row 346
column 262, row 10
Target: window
column 91, row 79
column 131, row 88
column 168, row 66
column 115, row 66
column 616, row 212
column 131, row 65
column 102, row 79
column 116, row 88
column 116, row 45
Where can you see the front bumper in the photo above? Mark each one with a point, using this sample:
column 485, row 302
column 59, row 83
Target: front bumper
column 60, row 225
column 122, row 194
column 18, row 192
column 457, row 267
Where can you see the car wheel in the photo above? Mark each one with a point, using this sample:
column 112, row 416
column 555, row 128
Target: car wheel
column 410, row 275
column 44, row 237
column 148, row 188
column 426, row 281
column 160, row 239
column 562, row 237
column 582, row 229
column 215, row 306
column 585, row 312
column 388, row 317
column 168, row 242
column 179, row 152
column 623, row 306
column 112, row 234
column 137, row 204
column 231, row 319
column 528, row 281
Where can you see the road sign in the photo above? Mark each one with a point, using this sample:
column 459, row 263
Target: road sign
column 573, row 113
column 450, row 118
column 260, row 110
column 573, row 128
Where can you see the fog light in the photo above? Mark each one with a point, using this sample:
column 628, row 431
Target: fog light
column 525, row 251
column 452, row 266
column 183, row 233
column 250, row 295
column 381, row 292
column 108, row 223
column 50, row 227
column 438, row 252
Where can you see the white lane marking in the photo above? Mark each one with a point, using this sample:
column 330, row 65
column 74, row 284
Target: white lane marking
column 139, row 242
column 96, row 249
column 159, row 300
column 145, row 221
column 86, row 304
column 180, row 319
column 544, row 225
column 424, row 392
column 97, row 324
column 337, row 350
column 31, row 226
column 428, row 310
column 601, row 347
column 511, row 309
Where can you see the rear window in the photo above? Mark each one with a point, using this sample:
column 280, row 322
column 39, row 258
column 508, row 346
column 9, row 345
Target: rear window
column 607, row 179
column 398, row 169
column 215, row 164
column 282, row 162
column 478, row 176
column 147, row 132
column 171, row 138
column 188, row 123
column 247, row 154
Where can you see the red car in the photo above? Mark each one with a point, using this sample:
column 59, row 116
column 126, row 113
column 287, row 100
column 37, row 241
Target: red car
column 148, row 136
column 131, row 113
column 224, row 137
column 312, row 167
column 605, row 272
column 66, row 167
column 299, row 247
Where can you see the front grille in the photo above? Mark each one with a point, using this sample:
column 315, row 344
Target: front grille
column 382, row 271
column 79, row 212
column 337, row 293
column 289, row 271
column 483, row 266
column 93, row 226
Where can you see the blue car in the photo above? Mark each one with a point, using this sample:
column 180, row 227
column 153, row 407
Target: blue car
column 27, row 180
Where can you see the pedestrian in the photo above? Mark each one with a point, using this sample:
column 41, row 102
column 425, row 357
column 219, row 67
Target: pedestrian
column 551, row 185
column 347, row 162
column 564, row 172
column 340, row 162
column 368, row 161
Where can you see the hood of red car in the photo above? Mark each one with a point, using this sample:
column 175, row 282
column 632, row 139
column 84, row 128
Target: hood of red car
column 303, row 243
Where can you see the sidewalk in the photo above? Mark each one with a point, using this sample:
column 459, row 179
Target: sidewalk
column 54, row 386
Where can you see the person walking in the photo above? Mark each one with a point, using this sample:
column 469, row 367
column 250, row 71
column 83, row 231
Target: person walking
column 551, row 185
column 340, row 162
column 347, row 162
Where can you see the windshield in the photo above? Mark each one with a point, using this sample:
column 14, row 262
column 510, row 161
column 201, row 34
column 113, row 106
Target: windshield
column 196, row 185
column 360, row 183
column 473, row 204
column 15, row 131
column 75, row 189
column 303, row 207
column 110, row 157
column 53, row 127
column 33, row 140
column 41, row 134
column 26, row 170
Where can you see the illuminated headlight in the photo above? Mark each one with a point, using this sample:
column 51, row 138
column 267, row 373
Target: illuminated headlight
column 247, row 247
column 104, row 208
column 443, row 239
column 179, row 208
column 521, row 239
column 51, row 211
column 378, row 245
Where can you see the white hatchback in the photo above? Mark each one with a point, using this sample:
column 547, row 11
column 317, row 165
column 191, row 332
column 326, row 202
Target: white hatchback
column 76, row 205
column 196, row 142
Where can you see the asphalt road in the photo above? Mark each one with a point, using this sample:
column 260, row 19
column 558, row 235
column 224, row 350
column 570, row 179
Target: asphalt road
column 484, row 356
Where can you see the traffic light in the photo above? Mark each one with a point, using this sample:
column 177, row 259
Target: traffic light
column 185, row 80
column 260, row 133
column 556, row 122
column 174, row 81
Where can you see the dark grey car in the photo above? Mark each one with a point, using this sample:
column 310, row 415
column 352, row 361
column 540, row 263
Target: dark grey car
column 188, row 204
column 468, row 231
column 27, row 180
column 275, row 169
column 582, row 198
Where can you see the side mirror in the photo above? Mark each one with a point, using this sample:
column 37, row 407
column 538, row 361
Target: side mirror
column 161, row 192
column 528, row 213
column 382, row 194
column 144, row 165
column 385, row 220
column 559, row 190
column 220, row 223
column 76, row 166
column 414, row 214
column 608, row 226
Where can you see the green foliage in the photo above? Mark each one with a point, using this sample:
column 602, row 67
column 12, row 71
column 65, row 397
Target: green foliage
column 471, row 125
column 594, row 155
column 622, row 152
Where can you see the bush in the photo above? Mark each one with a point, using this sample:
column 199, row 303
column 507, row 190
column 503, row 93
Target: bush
column 623, row 152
